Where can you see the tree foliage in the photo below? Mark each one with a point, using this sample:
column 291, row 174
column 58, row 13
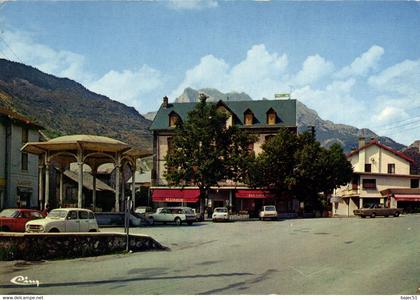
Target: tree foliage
column 297, row 164
column 205, row 151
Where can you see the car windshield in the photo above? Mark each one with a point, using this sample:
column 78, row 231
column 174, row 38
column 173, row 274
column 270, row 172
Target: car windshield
column 57, row 213
column 221, row 209
column 188, row 211
column 270, row 208
column 9, row 213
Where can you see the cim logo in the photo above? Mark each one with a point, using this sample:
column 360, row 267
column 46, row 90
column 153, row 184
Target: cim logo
column 24, row 280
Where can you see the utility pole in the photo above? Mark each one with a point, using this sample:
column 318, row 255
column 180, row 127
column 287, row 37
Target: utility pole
column 312, row 129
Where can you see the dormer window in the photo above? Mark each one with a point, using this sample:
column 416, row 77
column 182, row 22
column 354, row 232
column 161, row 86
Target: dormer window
column 248, row 117
column 229, row 120
column 271, row 117
column 173, row 119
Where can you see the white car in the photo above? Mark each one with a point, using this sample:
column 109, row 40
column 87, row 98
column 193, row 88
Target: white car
column 177, row 215
column 143, row 210
column 268, row 212
column 220, row 214
column 65, row 220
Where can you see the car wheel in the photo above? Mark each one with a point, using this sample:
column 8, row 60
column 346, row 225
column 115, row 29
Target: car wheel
column 363, row 217
column 151, row 221
column 93, row 230
column 178, row 221
column 54, row 230
column 397, row 214
column 5, row 229
column 373, row 215
column 386, row 216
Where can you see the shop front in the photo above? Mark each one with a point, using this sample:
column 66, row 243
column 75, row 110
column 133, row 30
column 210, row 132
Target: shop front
column 406, row 198
column 410, row 203
column 176, row 197
column 252, row 201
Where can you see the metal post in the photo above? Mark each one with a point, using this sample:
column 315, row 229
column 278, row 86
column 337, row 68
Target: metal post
column 80, row 185
column 94, row 188
column 117, row 185
column 40, row 187
column 123, row 199
column 348, row 208
column 133, row 186
column 61, row 188
column 47, row 184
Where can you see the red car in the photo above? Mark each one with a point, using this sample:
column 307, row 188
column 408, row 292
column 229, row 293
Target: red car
column 14, row 219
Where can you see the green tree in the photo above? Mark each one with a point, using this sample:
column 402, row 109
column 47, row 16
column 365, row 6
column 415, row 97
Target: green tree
column 205, row 151
column 298, row 165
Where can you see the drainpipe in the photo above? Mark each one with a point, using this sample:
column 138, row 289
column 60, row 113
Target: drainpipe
column 6, row 162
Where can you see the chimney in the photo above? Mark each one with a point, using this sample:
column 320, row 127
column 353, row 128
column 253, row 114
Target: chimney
column 165, row 102
column 362, row 141
column 203, row 97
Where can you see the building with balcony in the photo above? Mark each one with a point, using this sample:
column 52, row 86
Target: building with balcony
column 263, row 118
column 381, row 175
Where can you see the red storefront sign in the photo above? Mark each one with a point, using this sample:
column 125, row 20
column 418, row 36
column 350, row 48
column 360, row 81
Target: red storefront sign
column 175, row 195
column 253, row 194
column 402, row 197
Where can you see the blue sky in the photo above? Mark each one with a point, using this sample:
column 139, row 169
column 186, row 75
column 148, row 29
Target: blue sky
column 353, row 62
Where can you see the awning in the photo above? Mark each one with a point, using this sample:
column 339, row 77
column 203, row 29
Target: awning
column 407, row 197
column 175, row 195
column 253, row 194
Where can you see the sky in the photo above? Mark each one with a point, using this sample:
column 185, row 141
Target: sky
column 355, row 63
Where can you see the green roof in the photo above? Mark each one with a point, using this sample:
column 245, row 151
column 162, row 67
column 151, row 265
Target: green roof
column 285, row 110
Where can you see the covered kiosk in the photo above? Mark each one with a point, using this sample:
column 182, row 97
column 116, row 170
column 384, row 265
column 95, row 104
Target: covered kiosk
column 83, row 149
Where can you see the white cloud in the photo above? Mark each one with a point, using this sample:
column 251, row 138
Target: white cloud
column 314, row 68
column 335, row 102
column 192, row 4
column 390, row 114
column 210, row 72
column 19, row 46
column 402, row 78
column 259, row 74
column 362, row 64
column 130, row 87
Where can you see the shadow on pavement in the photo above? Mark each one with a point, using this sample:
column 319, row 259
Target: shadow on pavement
column 119, row 281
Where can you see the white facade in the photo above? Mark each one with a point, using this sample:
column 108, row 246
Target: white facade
column 376, row 168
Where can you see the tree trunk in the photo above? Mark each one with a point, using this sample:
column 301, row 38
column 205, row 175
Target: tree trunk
column 203, row 196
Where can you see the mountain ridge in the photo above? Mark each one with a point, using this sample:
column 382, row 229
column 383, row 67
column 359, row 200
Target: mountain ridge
column 64, row 106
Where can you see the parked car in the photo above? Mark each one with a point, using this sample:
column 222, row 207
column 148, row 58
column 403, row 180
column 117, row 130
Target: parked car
column 14, row 219
column 143, row 210
column 65, row 220
column 177, row 215
column 377, row 210
column 268, row 212
column 220, row 214
column 199, row 217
